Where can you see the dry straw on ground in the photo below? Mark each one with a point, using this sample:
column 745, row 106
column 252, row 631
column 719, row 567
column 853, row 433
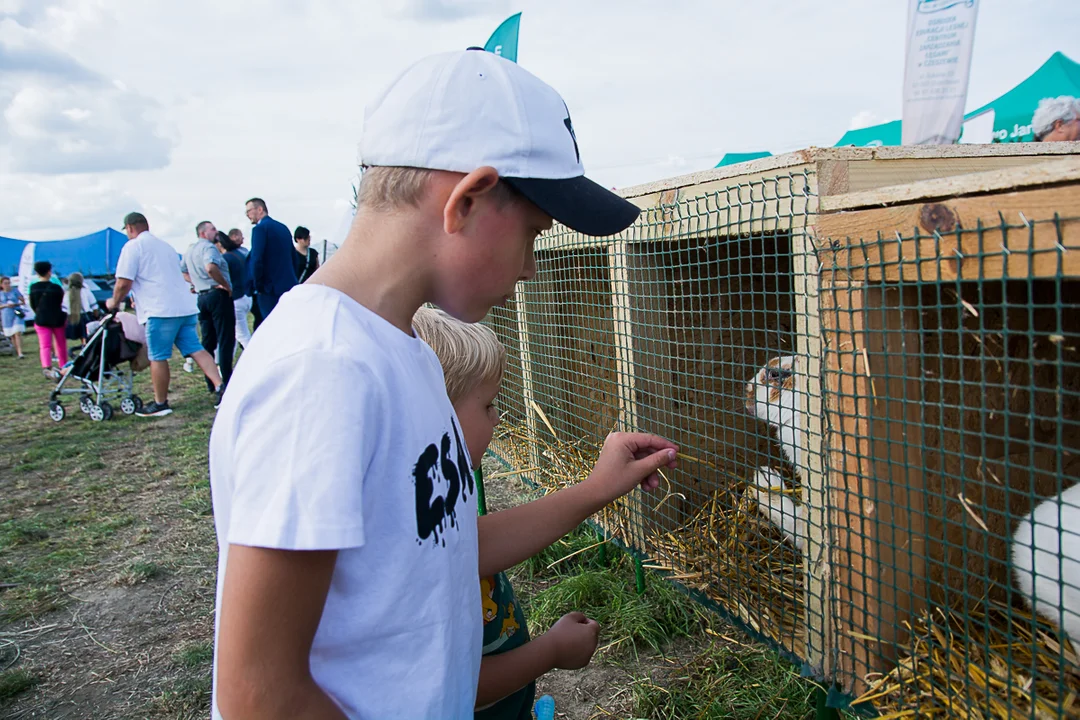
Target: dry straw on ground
column 726, row 550
column 975, row 668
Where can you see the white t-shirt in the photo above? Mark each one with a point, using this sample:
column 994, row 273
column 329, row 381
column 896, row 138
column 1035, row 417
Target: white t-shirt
column 153, row 266
column 336, row 433
column 86, row 299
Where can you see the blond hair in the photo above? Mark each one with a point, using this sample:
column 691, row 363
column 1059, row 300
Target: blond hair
column 470, row 354
column 74, row 293
column 392, row 188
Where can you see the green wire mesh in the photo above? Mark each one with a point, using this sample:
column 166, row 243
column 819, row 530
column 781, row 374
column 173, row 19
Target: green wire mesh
column 858, row 443
column 967, row 399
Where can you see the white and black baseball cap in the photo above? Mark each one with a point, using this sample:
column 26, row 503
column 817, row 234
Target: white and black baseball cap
column 458, row 111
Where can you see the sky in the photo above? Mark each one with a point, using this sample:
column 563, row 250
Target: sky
column 184, row 110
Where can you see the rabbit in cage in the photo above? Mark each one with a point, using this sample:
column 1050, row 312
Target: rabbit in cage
column 771, row 397
column 1046, row 559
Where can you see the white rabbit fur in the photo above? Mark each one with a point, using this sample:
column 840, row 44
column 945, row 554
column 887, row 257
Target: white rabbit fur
column 784, row 512
column 771, row 397
column 1052, row 582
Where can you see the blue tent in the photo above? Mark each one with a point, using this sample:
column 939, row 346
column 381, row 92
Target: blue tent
column 94, row 254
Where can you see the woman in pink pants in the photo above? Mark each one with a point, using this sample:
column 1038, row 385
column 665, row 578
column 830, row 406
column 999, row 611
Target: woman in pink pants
column 47, row 302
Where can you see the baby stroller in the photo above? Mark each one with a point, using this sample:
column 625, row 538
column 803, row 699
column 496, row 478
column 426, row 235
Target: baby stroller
column 95, row 375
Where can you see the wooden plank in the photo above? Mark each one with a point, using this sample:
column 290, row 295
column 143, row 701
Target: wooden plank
column 1033, row 172
column 816, row 560
column 833, row 178
column 847, row 395
column 869, row 175
column 937, row 154
column 947, row 246
column 528, row 396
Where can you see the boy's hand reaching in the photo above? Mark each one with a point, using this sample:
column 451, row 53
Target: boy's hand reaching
column 631, row 459
column 575, row 637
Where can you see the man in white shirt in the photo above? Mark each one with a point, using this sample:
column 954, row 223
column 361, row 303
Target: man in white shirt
column 149, row 269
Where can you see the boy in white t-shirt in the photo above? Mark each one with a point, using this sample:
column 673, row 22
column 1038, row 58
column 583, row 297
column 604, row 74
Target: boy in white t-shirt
column 349, row 548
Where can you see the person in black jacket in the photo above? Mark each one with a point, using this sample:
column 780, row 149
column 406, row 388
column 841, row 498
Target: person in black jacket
column 241, row 300
column 306, row 260
column 47, row 302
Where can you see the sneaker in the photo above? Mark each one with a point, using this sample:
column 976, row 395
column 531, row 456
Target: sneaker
column 155, row 409
column 219, row 394
column 189, row 365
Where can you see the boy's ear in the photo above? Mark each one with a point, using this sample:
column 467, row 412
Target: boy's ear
column 462, row 198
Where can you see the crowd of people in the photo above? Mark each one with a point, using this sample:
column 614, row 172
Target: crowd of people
column 200, row 305
column 55, row 322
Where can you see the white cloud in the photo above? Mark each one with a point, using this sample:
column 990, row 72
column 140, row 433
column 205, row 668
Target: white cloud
column 59, row 116
column 267, row 99
column 864, row 119
column 50, row 207
column 441, row 10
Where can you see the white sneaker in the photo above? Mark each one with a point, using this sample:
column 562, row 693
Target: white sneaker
column 189, row 365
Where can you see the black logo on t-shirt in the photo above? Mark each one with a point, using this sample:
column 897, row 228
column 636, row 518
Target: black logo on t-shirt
column 437, row 469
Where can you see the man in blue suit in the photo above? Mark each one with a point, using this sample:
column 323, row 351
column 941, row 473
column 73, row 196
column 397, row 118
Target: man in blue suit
column 270, row 262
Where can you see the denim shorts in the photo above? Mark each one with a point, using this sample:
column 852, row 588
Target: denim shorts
column 163, row 333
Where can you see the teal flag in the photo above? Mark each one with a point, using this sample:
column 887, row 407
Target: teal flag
column 504, row 40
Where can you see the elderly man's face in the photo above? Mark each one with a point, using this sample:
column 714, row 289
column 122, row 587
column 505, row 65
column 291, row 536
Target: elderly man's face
column 1064, row 131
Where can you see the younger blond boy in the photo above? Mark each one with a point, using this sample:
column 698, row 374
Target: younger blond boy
column 473, row 362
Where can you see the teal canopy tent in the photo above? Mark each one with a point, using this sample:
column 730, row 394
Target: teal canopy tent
column 1059, row 75
column 873, row 136
column 1012, row 111
column 733, row 158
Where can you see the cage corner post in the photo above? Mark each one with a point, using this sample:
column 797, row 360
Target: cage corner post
column 849, row 492
column 528, row 395
column 817, row 567
column 624, row 373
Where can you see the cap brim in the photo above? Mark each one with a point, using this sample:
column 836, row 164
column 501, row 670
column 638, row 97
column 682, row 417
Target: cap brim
column 579, row 203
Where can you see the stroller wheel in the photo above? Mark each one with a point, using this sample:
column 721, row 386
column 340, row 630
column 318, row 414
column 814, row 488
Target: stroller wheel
column 127, row 406
column 138, row 402
column 56, row 411
column 84, row 403
column 97, row 413
column 107, row 410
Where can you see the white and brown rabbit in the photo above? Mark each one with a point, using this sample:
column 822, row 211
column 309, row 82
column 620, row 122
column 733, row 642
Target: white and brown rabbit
column 771, row 397
column 1046, row 559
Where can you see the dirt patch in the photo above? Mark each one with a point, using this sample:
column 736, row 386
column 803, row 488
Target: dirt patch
column 108, row 654
column 109, row 557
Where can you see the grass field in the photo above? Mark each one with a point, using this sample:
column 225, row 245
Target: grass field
column 107, row 570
